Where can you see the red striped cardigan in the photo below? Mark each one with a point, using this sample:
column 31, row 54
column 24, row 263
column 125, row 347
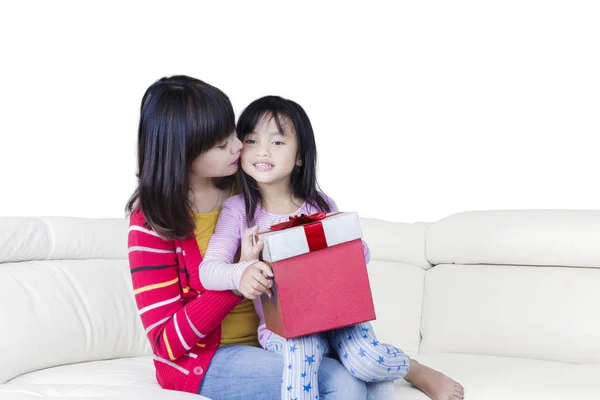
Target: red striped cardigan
column 183, row 325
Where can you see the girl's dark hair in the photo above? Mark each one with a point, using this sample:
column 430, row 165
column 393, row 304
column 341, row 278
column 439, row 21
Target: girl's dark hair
column 180, row 118
column 304, row 177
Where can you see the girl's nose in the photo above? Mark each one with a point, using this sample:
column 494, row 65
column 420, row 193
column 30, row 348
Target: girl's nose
column 263, row 150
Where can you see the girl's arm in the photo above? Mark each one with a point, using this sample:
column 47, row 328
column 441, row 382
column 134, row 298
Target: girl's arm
column 172, row 328
column 217, row 270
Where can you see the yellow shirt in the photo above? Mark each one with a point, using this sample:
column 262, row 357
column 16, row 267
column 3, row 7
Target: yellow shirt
column 241, row 325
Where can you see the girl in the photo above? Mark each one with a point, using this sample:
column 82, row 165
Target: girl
column 279, row 181
column 203, row 341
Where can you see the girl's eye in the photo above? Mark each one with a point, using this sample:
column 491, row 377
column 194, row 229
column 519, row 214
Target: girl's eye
column 250, row 141
column 277, row 143
column 223, row 146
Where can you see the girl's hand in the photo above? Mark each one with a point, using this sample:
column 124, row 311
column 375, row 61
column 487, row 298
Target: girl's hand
column 249, row 251
column 256, row 281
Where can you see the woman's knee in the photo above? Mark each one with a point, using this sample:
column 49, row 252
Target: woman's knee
column 336, row 383
column 380, row 390
column 243, row 372
column 352, row 388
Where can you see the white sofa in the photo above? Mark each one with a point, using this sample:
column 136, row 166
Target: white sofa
column 506, row 302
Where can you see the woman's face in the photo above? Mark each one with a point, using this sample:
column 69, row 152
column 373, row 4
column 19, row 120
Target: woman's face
column 222, row 160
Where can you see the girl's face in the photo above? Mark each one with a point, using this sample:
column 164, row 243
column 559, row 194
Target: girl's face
column 221, row 160
column 268, row 156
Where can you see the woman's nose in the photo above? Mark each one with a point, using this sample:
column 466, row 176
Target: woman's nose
column 237, row 145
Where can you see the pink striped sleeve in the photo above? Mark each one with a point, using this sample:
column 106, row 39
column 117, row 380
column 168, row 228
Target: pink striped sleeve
column 334, row 208
column 217, row 270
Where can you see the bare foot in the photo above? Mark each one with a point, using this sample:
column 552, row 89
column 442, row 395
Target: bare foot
column 433, row 383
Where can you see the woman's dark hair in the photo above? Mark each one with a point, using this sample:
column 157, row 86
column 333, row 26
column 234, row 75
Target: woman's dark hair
column 180, row 118
column 304, row 177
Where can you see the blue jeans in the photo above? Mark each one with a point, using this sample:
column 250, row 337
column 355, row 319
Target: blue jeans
column 245, row 372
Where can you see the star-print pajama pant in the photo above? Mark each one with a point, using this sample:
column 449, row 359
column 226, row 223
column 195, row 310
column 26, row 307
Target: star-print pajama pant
column 357, row 348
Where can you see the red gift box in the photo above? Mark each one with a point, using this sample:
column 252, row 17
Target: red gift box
column 320, row 275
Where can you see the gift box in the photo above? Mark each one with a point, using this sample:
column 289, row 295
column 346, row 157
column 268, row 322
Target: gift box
column 320, row 275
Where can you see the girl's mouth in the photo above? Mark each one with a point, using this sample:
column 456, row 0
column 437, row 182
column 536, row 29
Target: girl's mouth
column 262, row 166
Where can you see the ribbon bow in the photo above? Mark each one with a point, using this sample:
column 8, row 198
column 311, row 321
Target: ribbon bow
column 299, row 220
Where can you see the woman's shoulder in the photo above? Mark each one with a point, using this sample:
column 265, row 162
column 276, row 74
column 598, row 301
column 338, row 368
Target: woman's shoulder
column 141, row 234
column 140, row 229
column 137, row 218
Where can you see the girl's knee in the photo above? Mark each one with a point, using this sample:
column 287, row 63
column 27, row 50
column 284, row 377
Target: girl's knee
column 367, row 373
column 314, row 344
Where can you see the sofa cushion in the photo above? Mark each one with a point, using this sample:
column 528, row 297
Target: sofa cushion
column 86, row 392
column 135, row 372
column 548, row 313
column 501, row 378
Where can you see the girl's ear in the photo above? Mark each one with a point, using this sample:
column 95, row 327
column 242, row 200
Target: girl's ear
column 299, row 162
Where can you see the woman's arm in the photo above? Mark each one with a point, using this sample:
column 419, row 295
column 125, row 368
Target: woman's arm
column 171, row 327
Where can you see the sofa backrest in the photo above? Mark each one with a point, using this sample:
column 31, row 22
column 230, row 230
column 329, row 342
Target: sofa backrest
column 514, row 283
column 65, row 294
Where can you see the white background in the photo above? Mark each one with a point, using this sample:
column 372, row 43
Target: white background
column 421, row 109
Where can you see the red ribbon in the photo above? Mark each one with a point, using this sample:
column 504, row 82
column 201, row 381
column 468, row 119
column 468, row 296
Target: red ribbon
column 299, row 220
column 313, row 228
